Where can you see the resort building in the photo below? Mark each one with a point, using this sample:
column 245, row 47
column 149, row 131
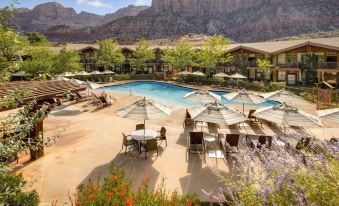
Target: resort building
column 295, row 62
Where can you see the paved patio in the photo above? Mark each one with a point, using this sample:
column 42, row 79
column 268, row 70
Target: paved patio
column 92, row 142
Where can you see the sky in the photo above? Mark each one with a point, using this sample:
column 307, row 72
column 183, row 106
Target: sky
column 93, row 6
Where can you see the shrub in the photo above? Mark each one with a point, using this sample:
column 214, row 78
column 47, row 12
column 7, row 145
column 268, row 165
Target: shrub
column 116, row 190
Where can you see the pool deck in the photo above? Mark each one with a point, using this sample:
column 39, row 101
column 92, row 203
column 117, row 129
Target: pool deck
column 92, row 142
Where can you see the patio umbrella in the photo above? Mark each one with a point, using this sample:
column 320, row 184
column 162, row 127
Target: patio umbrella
column 221, row 75
column 238, row 76
column 284, row 114
column 329, row 114
column 285, row 96
column 198, row 73
column 217, row 113
column 20, row 74
column 95, row 72
column 202, row 96
column 82, row 73
column 244, row 96
column 144, row 109
column 68, row 74
column 185, row 73
column 107, row 72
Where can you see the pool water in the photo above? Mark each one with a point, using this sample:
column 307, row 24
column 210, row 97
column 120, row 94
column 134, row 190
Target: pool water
column 166, row 93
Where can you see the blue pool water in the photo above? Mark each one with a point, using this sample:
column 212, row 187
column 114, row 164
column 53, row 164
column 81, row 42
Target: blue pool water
column 165, row 93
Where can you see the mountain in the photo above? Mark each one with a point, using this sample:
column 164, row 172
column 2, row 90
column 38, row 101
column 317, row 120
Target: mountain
column 48, row 15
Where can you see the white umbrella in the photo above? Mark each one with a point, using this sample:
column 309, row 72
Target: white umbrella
column 329, row 114
column 238, row 76
column 285, row 96
column 245, row 97
column 91, row 85
column 82, row 73
column 198, row 74
column 185, row 73
column 284, row 114
column 221, row 75
column 68, row 74
column 19, row 74
column 144, row 109
column 107, row 72
column 202, row 96
column 95, row 72
column 217, row 113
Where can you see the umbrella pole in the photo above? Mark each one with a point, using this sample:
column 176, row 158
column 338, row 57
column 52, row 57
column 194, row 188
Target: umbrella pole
column 144, row 127
column 243, row 107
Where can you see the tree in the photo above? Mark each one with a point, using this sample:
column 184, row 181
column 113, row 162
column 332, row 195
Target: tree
column 110, row 53
column 36, row 39
column 180, row 56
column 43, row 60
column 212, row 52
column 142, row 54
column 66, row 61
column 11, row 43
column 265, row 65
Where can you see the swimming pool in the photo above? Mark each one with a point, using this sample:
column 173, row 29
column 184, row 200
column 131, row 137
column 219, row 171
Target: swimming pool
column 165, row 93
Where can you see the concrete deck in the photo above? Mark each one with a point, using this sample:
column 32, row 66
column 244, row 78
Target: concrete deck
column 92, row 142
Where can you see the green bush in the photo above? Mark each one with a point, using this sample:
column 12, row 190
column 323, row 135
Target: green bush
column 116, row 190
column 12, row 191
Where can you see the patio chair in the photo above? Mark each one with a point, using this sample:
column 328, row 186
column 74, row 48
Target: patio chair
column 231, row 143
column 95, row 100
column 162, row 136
column 264, row 140
column 128, row 142
column 252, row 118
column 303, row 143
column 139, row 126
column 189, row 122
column 150, row 145
column 196, row 143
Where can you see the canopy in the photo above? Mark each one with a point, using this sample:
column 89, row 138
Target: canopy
column 144, row 109
column 238, row 76
column 184, row 73
column 95, row 72
column 329, row 114
column 284, row 114
column 217, row 113
column 244, row 96
column 221, row 74
column 202, row 96
column 107, row 72
column 285, row 96
column 198, row 73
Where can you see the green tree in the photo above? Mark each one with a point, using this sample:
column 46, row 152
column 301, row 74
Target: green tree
column 212, row 52
column 36, row 39
column 110, row 53
column 142, row 54
column 180, row 56
column 265, row 65
column 66, row 61
column 43, row 60
column 11, row 43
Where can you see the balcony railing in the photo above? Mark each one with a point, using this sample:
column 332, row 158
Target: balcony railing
column 329, row 65
column 289, row 65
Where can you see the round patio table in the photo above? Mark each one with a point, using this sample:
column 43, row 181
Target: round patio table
column 144, row 135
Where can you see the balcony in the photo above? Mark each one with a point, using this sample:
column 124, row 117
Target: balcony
column 329, row 65
column 289, row 65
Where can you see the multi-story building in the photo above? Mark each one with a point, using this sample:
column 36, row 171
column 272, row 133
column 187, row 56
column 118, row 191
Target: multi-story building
column 294, row 62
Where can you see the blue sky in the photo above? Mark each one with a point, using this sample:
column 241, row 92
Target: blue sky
column 94, row 6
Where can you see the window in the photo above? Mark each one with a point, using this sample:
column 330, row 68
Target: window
column 282, row 58
column 281, row 75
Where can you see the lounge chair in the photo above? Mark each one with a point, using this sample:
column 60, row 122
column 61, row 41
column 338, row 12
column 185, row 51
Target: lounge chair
column 139, row 126
column 264, row 140
column 196, row 143
column 162, row 136
column 150, row 145
column 252, row 118
column 128, row 142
